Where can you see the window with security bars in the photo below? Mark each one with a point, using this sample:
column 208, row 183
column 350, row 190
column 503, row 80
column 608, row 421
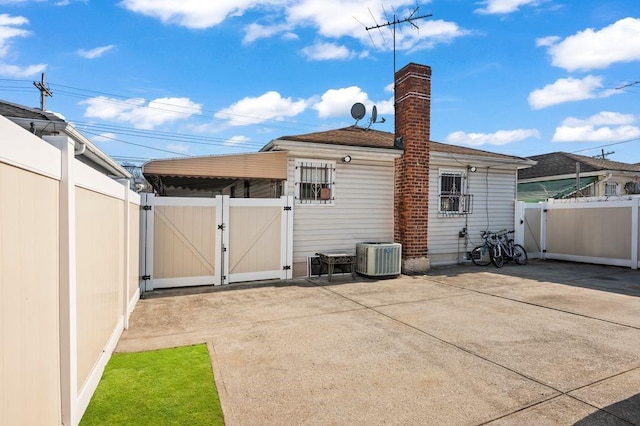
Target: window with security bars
column 315, row 182
column 453, row 200
column 610, row 188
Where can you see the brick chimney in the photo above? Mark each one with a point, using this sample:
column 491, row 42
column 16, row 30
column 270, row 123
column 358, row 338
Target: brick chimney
column 411, row 203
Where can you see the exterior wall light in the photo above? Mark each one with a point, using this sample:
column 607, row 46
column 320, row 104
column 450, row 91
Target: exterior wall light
column 472, row 169
column 346, row 159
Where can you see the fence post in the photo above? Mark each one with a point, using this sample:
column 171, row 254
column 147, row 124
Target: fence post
column 634, row 232
column 127, row 267
column 518, row 224
column 543, row 230
column 147, row 253
column 68, row 283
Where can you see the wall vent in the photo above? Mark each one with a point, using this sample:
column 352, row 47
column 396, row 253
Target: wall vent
column 378, row 259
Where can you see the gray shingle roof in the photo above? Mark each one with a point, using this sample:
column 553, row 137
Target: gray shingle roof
column 563, row 163
column 357, row 136
column 8, row 109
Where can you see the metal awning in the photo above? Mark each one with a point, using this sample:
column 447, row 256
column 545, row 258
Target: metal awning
column 533, row 192
column 212, row 173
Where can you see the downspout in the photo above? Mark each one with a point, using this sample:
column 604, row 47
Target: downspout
column 80, row 148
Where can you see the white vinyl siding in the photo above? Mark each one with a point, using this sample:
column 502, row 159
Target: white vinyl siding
column 493, row 193
column 363, row 210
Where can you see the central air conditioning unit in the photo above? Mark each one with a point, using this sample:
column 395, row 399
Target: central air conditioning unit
column 378, row 259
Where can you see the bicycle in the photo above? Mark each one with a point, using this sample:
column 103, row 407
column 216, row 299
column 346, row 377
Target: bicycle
column 481, row 255
column 505, row 250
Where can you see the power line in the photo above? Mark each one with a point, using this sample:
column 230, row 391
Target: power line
column 604, row 146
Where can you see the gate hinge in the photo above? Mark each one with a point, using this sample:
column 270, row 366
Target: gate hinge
column 221, row 226
column 146, row 207
column 286, row 267
column 287, row 208
column 544, row 251
column 224, row 249
column 224, row 277
column 146, row 277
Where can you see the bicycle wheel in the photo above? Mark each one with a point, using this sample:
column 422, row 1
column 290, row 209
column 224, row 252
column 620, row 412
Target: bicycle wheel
column 481, row 255
column 519, row 254
column 497, row 259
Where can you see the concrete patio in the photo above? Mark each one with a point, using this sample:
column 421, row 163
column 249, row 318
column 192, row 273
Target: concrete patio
column 550, row 343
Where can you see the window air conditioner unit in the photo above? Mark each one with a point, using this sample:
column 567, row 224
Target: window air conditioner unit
column 378, row 259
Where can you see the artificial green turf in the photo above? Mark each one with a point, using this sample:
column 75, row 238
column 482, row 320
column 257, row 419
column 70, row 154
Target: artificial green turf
column 164, row 387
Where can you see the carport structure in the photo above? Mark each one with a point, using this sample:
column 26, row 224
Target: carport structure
column 209, row 238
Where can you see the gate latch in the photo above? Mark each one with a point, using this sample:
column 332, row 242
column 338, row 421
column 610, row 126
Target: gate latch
column 146, row 207
column 146, row 277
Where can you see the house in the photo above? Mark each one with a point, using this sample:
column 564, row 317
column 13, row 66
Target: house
column 353, row 184
column 555, row 176
column 45, row 123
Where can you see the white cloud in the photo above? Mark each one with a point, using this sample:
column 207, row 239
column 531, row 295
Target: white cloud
column 547, row 41
column 269, row 106
column 10, row 29
column 236, row 140
column 255, row 32
column 195, row 13
column 605, row 126
column 593, row 134
column 104, row 137
column 332, row 19
column 96, row 52
column 501, row 137
column 178, row 147
column 592, row 49
column 338, row 102
column 134, row 111
column 601, row 119
column 502, row 7
column 326, row 51
column 18, row 71
column 568, row 90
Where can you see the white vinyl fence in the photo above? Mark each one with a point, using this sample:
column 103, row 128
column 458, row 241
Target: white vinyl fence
column 68, row 276
column 589, row 230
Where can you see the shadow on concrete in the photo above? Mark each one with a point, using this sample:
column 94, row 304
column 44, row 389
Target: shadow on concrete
column 626, row 412
column 614, row 279
column 605, row 278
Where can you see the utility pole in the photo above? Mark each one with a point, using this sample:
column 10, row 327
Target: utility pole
column 393, row 24
column 603, row 155
column 44, row 91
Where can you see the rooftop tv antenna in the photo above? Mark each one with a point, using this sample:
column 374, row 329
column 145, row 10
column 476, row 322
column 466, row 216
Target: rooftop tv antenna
column 412, row 17
column 44, row 91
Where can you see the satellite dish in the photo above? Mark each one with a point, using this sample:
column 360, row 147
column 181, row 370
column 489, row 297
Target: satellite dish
column 358, row 111
column 374, row 114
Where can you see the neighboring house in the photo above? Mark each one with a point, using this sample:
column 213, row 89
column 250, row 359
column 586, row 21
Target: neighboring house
column 45, row 123
column 555, row 176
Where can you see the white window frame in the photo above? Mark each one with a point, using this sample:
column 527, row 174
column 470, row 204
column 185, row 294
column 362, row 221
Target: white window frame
column 606, row 190
column 463, row 200
column 330, row 184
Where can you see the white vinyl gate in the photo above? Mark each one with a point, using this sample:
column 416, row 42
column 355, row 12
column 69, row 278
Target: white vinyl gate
column 213, row 241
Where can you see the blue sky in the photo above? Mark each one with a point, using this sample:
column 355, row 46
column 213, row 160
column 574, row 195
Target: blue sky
column 153, row 79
